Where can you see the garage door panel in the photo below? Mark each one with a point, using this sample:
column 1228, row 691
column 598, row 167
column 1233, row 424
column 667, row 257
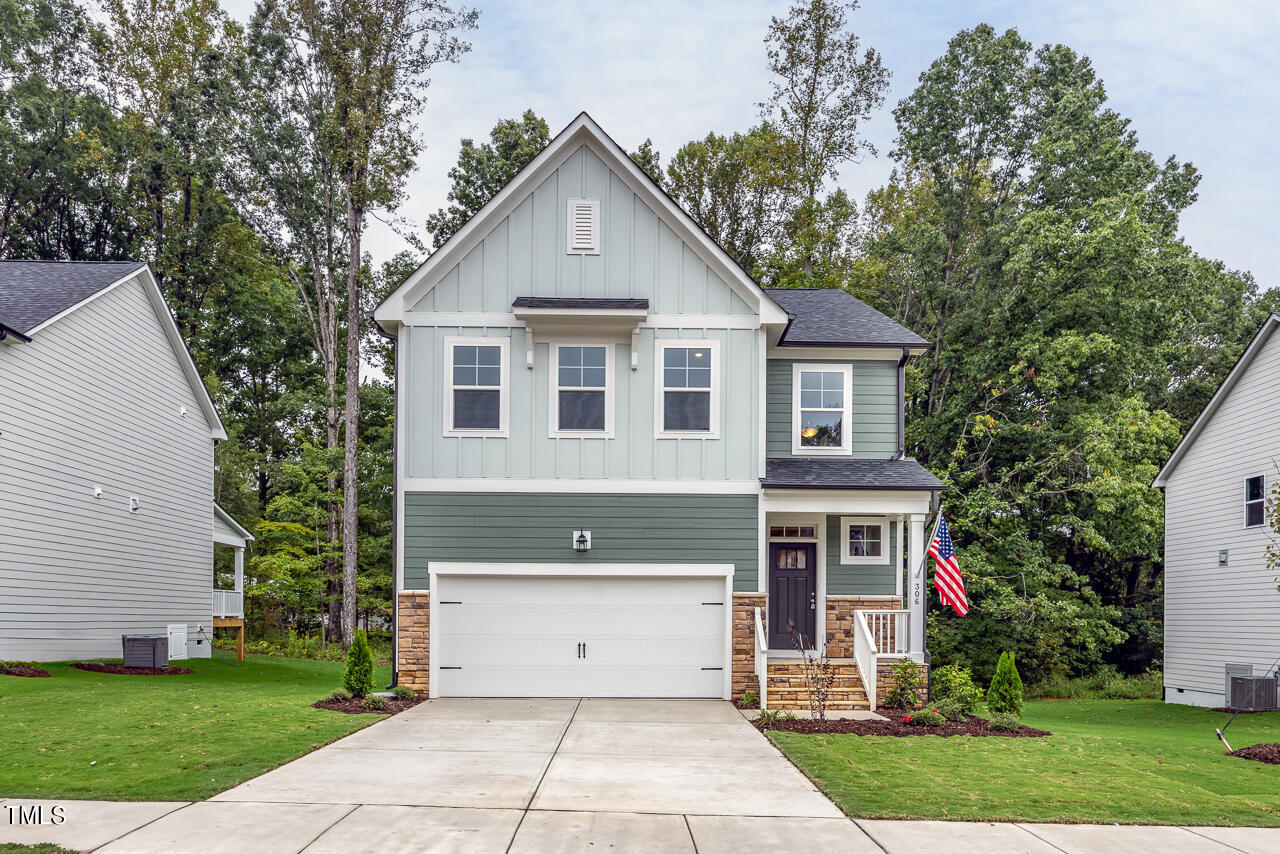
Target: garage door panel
column 575, row 636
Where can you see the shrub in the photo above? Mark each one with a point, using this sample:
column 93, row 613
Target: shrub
column 1103, row 684
column 952, row 709
column 748, row 700
column 1005, row 693
column 955, row 683
column 359, row 676
column 337, row 695
column 770, row 716
column 1002, row 722
column 924, row 717
column 402, row 692
column 375, row 702
column 905, row 683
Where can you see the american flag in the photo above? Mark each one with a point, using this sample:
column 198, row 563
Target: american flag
column 947, row 575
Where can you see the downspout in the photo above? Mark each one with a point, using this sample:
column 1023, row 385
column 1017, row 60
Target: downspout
column 902, row 405
column 395, row 506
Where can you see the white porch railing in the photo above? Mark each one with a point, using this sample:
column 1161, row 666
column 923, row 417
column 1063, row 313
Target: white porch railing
column 762, row 660
column 864, row 654
column 228, row 603
column 890, row 631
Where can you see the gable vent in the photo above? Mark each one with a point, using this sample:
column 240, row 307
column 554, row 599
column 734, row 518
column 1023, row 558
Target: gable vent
column 584, row 227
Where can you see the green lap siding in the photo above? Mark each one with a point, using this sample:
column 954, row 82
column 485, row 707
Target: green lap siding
column 875, row 409
column 522, row 527
column 859, row 579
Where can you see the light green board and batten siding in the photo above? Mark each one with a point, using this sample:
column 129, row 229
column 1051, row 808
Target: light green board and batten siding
column 875, row 408
column 524, row 254
column 537, row 528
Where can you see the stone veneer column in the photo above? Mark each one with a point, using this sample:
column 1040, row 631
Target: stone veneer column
column 413, row 654
column 840, row 620
column 744, row 642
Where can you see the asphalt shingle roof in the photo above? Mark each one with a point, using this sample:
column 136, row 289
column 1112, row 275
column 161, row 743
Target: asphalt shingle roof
column 31, row 292
column 826, row 473
column 827, row 317
column 578, row 302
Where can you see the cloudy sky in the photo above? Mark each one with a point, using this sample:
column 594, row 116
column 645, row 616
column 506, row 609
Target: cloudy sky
column 1199, row 79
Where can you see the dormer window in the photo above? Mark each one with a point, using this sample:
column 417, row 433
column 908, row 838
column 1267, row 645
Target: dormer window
column 822, row 398
column 584, row 227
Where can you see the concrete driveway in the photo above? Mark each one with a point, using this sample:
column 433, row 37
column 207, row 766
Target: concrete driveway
column 523, row 776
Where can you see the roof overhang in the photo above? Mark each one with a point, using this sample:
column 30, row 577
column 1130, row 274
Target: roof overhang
column 9, row 335
column 574, row 318
column 1271, row 324
column 242, row 535
column 583, row 130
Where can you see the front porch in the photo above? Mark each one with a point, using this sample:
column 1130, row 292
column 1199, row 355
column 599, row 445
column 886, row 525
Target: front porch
column 228, row 604
column 841, row 576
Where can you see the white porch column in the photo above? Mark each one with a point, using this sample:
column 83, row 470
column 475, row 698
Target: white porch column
column 916, row 587
column 239, row 569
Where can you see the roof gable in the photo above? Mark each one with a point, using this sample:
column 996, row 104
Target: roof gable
column 1251, row 352
column 37, row 294
column 581, row 132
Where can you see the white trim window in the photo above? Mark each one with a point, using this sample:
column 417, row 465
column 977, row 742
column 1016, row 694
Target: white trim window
column 864, row 540
column 582, row 391
column 477, row 391
column 822, row 409
column 688, row 401
column 1255, row 501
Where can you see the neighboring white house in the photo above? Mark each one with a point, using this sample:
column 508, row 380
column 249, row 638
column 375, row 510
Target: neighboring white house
column 107, row 519
column 1222, row 610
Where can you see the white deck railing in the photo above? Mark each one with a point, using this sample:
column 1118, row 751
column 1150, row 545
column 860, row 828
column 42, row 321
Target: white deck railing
column 228, row 603
column 762, row 660
column 890, row 631
column 864, row 654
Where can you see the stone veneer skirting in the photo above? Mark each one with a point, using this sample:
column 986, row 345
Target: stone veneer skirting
column 414, row 646
column 840, row 620
column 744, row 642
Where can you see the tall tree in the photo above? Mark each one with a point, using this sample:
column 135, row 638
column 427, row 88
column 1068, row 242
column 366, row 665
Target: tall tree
column 482, row 170
column 376, row 55
column 825, row 87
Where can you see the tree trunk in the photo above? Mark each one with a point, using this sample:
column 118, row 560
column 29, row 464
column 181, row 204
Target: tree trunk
column 350, row 462
column 333, row 508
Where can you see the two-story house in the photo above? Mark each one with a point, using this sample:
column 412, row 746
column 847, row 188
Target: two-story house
column 1221, row 606
column 624, row 469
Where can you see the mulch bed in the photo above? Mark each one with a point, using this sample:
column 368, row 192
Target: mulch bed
column 95, row 667
column 1243, row 711
column 354, row 706
column 1269, row 753
column 894, row 726
column 22, row 670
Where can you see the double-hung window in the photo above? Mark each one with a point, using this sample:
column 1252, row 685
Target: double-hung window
column 864, row 540
column 822, row 398
column 476, row 399
column 1255, row 501
column 581, row 400
column 687, row 384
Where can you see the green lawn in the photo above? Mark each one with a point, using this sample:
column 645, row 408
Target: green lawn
column 1126, row 761
column 164, row 737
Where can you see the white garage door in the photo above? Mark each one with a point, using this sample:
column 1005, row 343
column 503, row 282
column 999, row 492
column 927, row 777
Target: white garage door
column 558, row 636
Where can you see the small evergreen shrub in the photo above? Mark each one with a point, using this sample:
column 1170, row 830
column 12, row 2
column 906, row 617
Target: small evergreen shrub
column 906, row 682
column 337, row 695
column 402, row 692
column 955, row 683
column 1005, row 694
column 359, row 676
column 375, row 702
column 1002, row 722
column 952, row 709
column 924, row 717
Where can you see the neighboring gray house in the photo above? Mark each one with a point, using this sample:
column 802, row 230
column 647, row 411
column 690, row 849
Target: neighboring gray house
column 625, row 469
column 1221, row 606
column 107, row 520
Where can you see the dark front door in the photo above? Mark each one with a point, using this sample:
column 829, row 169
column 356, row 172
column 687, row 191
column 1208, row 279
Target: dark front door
column 793, row 594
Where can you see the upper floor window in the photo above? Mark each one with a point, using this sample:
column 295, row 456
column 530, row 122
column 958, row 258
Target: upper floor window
column 582, row 397
column 476, row 400
column 1255, row 501
column 822, row 398
column 687, row 387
